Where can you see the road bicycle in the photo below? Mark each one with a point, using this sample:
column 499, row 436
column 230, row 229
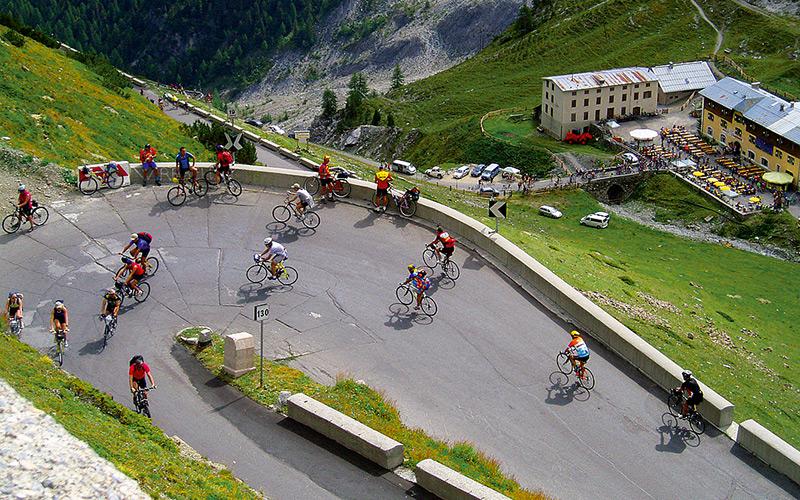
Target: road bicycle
column 140, row 401
column 110, row 322
column 61, row 345
column 282, row 213
column 584, row 376
column 406, row 203
column 341, row 186
column 108, row 177
column 176, row 196
column 675, row 404
column 13, row 221
column 151, row 265
column 139, row 294
column 15, row 325
column 259, row 271
column 231, row 184
column 449, row 268
column 406, row 294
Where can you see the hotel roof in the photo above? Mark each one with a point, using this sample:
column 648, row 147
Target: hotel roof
column 682, row 77
column 603, row 78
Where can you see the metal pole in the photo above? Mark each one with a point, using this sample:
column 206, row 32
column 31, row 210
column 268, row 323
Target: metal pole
column 261, row 355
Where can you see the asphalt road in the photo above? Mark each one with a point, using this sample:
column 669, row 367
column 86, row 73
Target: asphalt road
column 481, row 370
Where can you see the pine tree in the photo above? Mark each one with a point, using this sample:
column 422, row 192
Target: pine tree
column 376, row 117
column 390, row 120
column 328, row 104
column 356, row 95
column 398, row 79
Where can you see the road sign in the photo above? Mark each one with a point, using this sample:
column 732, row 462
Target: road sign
column 497, row 209
column 260, row 312
column 231, row 112
column 302, row 136
column 233, row 143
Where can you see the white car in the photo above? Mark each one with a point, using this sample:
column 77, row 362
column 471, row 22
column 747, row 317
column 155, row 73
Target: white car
column 277, row 130
column 404, row 167
column 435, row 172
column 549, row 211
column 597, row 219
column 461, row 172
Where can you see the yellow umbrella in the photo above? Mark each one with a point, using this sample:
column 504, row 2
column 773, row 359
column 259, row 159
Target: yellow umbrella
column 754, row 199
column 712, row 180
column 725, row 188
column 719, row 183
column 697, row 173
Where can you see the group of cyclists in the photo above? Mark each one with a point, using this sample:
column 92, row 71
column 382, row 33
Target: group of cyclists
column 184, row 163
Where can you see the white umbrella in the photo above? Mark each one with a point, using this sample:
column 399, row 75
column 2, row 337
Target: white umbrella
column 511, row 170
column 643, row 134
column 730, row 193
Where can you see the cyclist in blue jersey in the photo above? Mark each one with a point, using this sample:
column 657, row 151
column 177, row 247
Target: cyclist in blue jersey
column 184, row 162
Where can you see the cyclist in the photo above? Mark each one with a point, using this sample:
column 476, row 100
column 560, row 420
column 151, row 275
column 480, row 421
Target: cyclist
column 275, row 253
column 420, row 282
column 110, row 304
column 577, row 352
column 137, row 372
column 224, row 162
column 135, row 273
column 694, row 395
column 148, row 158
column 448, row 244
column 59, row 320
column 382, row 179
column 14, row 307
column 141, row 246
column 326, row 179
column 25, row 204
column 301, row 199
column 182, row 163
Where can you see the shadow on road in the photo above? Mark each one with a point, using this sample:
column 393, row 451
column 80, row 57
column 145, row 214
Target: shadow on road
column 562, row 394
column 674, row 439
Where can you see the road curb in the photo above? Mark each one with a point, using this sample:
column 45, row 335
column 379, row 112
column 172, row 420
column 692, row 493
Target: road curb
column 771, row 449
column 448, row 484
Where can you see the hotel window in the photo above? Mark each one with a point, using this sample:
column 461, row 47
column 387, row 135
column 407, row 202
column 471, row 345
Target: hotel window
column 585, row 115
column 636, row 86
column 546, row 95
column 710, row 131
column 647, row 94
column 572, row 117
column 573, row 103
column 596, row 114
column 598, row 100
column 723, row 124
column 623, row 110
column 586, row 102
column 611, row 98
column 778, row 154
column 624, row 87
column 738, row 132
column 790, row 159
column 764, row 162
column 574, row 93
column 752, row 139
column 723, row 139
column 585, row 92
column 750, row 154
column 624, row 97
column 635, row 95
column 710, row 117
column 598, row 91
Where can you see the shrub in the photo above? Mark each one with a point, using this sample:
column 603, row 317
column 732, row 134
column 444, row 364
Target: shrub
column 14, row 38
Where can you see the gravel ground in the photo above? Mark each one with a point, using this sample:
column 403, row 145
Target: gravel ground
column 40, row 459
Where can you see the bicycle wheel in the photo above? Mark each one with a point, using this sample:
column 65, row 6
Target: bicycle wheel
column 106, row 336
column 256, row 273
column 89, row 186
column 451, row 270
column 675, row 404
column 114, row 180
column 281, row 213
column 311, row 185
column 428, row 306
column 146, row 409
column 211, row 177
column 60, row 352
column 407, row 207
column 310, row 220
column 563, row 363
column 587, row 380
column 176, row 196
column 234, row 187
column 341, row 188
column 152, row 266
column 144, row 292
column 404, row 295
column 288, row 276
column 429, row 257
column 201, row 188
column 697, row 423
column 40, row 216
column 11, row 223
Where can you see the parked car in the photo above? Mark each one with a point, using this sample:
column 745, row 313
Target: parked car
column 630, row 158
column 277, row 130
column 254, row 122
column 404, row 167
column 461, row 172
column 597, row 219
column 549, row 211
column 488, row 191
column 435, row 172
column 477, row 169
column 490, row 172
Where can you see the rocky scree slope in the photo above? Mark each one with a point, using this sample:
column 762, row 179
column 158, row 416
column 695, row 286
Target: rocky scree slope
column 371, row 36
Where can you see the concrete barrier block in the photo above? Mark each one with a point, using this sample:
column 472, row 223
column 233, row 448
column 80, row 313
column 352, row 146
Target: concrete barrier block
column 271, row 145
column 215, row 118
column 309, row 163
column 239, row 351
column 346, row 431
column 289, row 154
column 448, row 484
column 771, row 449
column 249, row 135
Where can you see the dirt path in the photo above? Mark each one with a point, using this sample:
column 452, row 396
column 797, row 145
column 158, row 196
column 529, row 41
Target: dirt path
column 720, row 36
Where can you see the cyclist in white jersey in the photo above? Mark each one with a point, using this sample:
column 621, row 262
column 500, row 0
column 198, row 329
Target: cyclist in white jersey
column 301, row 198
column 274, row 253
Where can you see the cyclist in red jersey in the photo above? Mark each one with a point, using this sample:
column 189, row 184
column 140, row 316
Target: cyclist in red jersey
column 224, row 162
column 25, row 204
column 326, row 179
column 148, row 158
column 137, row 372
column 134, row 270
column 448, row 244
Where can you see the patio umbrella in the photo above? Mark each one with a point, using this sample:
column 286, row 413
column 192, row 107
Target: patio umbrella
column 719, row 183
column 778, row 178
column 643, row 134
column 754, row 199
column 730, row 193
column 697, row 173
column 725, row 188
column 712, row 180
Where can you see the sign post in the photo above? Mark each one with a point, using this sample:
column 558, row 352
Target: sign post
column 261, row 314
column 231, row 114
column 302, row 137
column 497, row 211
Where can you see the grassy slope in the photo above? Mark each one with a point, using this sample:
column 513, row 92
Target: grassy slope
column 585, row 35
column 126, row 439
column 369, row 407
column 84, row 122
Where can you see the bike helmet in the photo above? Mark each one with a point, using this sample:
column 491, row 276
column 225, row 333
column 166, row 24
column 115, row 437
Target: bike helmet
column 687, row 374
column 267, row 241
column 126, row 260
column 326, row 158
column 411, row 267
column 422, row 272
column 134, row 236
column 111, row 290
column 137, row 359
column 11, row 295
column 85, row 170
column 575, row 333
column 21, row 188
column 59, row 305
column 147, row 146
column 219, row 147
column 296, row 186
